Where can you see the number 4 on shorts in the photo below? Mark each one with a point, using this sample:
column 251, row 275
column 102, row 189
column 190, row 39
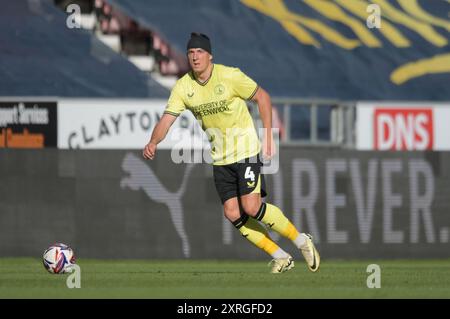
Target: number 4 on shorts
column 249, row 173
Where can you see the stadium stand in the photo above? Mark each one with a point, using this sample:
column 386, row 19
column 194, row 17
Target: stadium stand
column 343, row 60
column 44, row 57
column 322, row 56
column 319, row 54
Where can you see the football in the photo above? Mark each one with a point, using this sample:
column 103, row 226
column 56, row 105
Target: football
column 58, row 258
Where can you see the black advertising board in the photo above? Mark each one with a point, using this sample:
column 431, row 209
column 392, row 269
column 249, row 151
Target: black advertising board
column 28, row 124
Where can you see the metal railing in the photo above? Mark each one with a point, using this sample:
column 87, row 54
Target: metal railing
column 303, row 122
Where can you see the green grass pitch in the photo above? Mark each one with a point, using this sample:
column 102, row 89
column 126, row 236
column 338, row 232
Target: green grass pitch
column 186, row 279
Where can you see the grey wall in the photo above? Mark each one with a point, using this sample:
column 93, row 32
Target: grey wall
column 112, row 204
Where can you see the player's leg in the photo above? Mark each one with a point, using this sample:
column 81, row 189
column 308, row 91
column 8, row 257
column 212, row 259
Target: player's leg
column 274, row 218
column 271, row 215
column 251, row 229
column 225, row 181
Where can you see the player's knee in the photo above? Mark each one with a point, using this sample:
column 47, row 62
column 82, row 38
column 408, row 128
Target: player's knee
column 231, row 214
column 231, row 210
column 251, row 208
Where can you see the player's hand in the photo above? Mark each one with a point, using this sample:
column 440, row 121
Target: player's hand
column 268, row 146
column 149, row 151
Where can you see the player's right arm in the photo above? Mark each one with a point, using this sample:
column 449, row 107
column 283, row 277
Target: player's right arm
column 175, row 106
column 159, row 133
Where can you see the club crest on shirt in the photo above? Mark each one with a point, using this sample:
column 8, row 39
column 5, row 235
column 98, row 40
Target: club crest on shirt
column 219, row 89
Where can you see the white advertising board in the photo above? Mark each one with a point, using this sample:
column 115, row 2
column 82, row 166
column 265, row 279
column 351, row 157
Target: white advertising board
column 402, row 126
column 122, row 124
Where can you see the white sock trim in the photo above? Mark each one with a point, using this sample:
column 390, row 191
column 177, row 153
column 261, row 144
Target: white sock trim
column 300, row 240
column 280, row 253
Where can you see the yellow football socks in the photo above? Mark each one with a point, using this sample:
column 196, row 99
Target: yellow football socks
column 259, row 236
column 274, row 218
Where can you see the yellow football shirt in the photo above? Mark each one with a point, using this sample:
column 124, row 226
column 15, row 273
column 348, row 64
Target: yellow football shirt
column 219, row 106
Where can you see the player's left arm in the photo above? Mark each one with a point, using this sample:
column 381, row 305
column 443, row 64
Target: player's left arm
column 262, row 98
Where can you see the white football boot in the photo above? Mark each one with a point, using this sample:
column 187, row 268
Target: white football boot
column 310, row 253
column 281, row 265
